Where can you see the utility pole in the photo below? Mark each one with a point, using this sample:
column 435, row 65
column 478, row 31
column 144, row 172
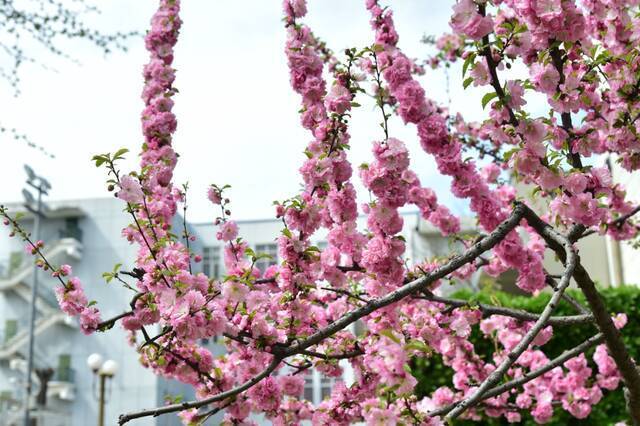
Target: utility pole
column 42, row 186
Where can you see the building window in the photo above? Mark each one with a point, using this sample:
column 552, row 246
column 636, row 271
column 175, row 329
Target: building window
column 269, row 249
column 64, row 372
column 317, row 386
column 71, row 229
column 10, row 329
column 211, row 265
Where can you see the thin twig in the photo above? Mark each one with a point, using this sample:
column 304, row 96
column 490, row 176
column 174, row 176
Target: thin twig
column 488, row 310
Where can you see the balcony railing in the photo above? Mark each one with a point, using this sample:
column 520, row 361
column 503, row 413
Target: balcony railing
column 17, row 260
column 12, row 264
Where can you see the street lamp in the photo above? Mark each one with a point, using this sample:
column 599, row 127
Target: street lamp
column 104, row 370
column 42, row 186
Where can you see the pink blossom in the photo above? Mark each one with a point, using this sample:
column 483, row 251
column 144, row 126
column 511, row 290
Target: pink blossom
column 620, row 320
column 292, row 385
column 295, row 8
column 89, row 320
column 466, row 20
column 338, row 99
column 267, row 394
column 214, row 195
column 130, row 190
column 545, row 77
column 228, row 231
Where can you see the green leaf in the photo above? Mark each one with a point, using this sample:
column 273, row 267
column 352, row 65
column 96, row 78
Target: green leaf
column 389, row 334
column 120, row 153
column 100, row 159
column 467, row 63
column 467, row 82
column 487, row 98
column 418, row 345
column 507, row 155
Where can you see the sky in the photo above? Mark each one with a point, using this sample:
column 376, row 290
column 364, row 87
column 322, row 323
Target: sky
column 237, row 115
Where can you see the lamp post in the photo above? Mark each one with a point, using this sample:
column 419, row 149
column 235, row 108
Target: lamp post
column 42, row 186
column 104, row 370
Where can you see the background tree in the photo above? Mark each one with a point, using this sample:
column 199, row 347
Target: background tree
column 30, row 27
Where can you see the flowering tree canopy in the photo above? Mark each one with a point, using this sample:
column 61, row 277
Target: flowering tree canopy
column 277, row 323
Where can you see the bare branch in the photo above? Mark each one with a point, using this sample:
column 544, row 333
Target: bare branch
column 488, row 310
column 124, row 418
column 565, row 356
column 551, row 282
column 602, row 317
column 415, row 286
column 107, row 324
column 571, row 262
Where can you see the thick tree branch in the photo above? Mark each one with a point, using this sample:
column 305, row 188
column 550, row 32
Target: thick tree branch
column 626, row 365
column 415, row 286
column 570, row 266
column 558, row 361
column 124, row 418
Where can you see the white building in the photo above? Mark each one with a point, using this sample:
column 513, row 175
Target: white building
column 86, row 234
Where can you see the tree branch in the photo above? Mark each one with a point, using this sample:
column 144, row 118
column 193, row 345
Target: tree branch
column 124, row 418
column 617, row 223
column 415, row 286
column 565, row 356
column 570, row 266
column 280, row 353
column 107, row 324
column 570, row 300
column 626, row 365
column 493, row 72
column 558, row 63
column 488, row 310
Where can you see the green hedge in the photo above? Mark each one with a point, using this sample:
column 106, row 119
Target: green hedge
column 431, row 373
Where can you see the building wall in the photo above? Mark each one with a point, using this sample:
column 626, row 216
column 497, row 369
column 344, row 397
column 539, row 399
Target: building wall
column 133, row 387
column 629, row 256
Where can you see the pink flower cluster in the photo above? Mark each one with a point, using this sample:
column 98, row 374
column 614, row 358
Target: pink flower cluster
column 466, row 20
column 435, row 139
column 73, row 301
